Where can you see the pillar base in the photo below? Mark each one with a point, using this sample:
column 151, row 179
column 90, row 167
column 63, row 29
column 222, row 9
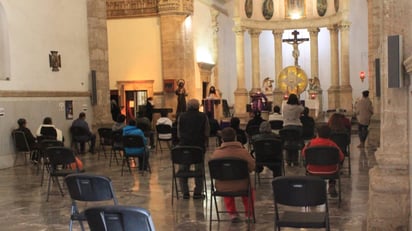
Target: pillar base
column 345, row 99
column 241, row 99
column 333, row 97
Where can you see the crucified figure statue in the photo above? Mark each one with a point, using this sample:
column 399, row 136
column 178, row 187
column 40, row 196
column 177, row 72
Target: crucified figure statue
column 295, row 43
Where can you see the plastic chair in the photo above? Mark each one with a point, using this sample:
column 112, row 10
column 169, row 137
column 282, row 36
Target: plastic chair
column 187, row 155
column 268, row 152
column 325, row 155
column 290, row 192
column 164, row 133
column 60, row 158
column 21, row 146
column 342, row 139
column 229, row 169
column 87, row 188
column 105, row 139
column 119, row 218
column 135, row 141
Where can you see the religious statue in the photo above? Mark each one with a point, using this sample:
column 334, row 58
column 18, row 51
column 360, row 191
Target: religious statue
column 258, row 101
column 295, row 43
column 181, row 96
column 314, row 84
column 213, row 93
column 267, row 85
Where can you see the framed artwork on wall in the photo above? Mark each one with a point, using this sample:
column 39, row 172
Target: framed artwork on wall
column 295, row 9
column 169, row 85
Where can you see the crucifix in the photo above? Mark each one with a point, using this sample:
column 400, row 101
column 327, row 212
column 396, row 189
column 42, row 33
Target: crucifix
column 295, row 43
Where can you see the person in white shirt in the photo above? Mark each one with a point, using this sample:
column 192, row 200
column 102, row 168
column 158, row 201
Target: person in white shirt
column 46, row 130
column 164, row 120
column 276, row 115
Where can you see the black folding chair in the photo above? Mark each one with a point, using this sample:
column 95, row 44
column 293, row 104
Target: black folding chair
column 105, row 140
column 276, row 124
column 135, row 141
column 190, row 156
column 292, row 144
column 269, row 153
column 229, row 169
column 164, row 133
column 252, row 130
column 119, row 218
column 43, row 146
column 117, row 146
column 293, row 195
column 79, row 136
column 21, row 146
column 87, row 188
column 342, row 139
column 321, row 156
column 60, row 160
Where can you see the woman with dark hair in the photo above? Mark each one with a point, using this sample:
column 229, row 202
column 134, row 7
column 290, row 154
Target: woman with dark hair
column 240, row 133
column 49, row 131
column 291, row 113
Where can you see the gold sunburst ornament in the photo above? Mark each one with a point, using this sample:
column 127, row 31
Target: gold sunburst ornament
column 292, row 79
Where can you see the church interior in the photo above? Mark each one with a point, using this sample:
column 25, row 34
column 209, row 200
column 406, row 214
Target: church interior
column 59, row 58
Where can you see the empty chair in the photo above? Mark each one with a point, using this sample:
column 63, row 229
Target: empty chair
column 105, row 140
column 87, row 188
column 164, row 133
column 187, row 156
column 269, row 153
column 60, row 160
column 119, row 218
column 324, row 156
column 21, row 146
column 230, row 169
column 43, row 146
column 290, row 192
column 134, row 146
column 342, row 139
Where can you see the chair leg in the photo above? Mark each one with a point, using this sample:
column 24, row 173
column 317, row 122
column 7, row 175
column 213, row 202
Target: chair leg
column 340, row 194
column 48, row 189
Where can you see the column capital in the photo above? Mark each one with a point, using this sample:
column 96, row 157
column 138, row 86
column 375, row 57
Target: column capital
column 313, row 31
column 255, row 32
column 239, row 30
column 277, row 33
column 332, row 28
column 344, row 25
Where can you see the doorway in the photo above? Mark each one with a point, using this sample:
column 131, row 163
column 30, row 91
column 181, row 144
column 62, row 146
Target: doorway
column 135, row 102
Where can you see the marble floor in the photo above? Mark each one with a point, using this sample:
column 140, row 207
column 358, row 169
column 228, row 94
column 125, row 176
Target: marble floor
column 25, row 208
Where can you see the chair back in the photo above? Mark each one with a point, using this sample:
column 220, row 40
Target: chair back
column 252, row 130
column 342, row 139
column 322, row 155
column 291, row 138
column 48, row 133
column 163, row 129
column 276, row 124
column 133, row 141
column 46, row 143
column 20, row 141
column 228, row 169
column 117, row 139
column 79, row 134
column 187, row 155
column 105, row 135
column 119, row 218
column 60, row 156
column 299, row 191
column 268, row 150
column 89, row 187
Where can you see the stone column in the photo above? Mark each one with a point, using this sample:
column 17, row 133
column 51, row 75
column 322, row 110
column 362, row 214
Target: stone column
column 345, row 99
column 314, row 59
column 241, row 94
column 215, row 75
column 254, row 34
column 277, row 93
column 333, row 91
column 98, row 48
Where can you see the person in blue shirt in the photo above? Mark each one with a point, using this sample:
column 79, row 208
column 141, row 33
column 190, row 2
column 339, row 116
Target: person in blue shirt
column 131, row 129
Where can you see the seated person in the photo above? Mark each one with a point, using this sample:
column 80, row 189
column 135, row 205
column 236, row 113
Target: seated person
column 31, row 140
column 308, row 124
column 265, row 132
column 119, row 124
column 144, row 124
column 232, row 148
column 322, row 139
column 166, row 121
column 276, row 115
column 213, row 124
column 81, row 122
column 240, row 133
column 255, row 121
column 131, row 129
column 339, row 123
column 49, row 131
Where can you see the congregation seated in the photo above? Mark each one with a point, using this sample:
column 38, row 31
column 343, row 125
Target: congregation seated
column 164, row 120
column 339, row 123
column 48, row 131
column 276, row 115
column 81, row 133
column 254, row 122
column 133, row 130
column 213, row 124
column 120, row 122
column 308, row 125
column 145, row 125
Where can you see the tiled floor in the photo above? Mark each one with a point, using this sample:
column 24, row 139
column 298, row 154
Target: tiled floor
column 25, row 208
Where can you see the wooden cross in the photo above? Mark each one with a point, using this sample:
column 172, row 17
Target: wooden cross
column 295, row 43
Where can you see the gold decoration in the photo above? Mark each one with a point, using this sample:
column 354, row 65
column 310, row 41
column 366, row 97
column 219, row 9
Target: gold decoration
column 292, row 79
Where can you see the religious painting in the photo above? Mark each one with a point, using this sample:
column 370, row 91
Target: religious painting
column 295, row 9
column 69, row 109
column 322, row 5
column 54, row 60
column 267, row 9
column 336, row 6
column 248, row 8
column 169, row 85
